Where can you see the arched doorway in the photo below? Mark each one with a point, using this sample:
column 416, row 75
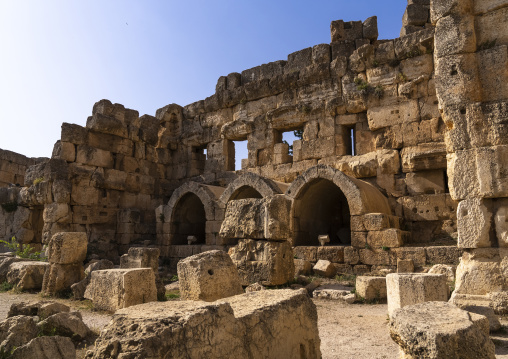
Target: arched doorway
column 189, row 219
column 321, row 208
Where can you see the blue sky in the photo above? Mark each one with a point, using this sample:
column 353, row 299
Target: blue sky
column 58, row 58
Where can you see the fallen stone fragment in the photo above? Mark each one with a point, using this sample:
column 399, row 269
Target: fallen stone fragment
column 439, row 330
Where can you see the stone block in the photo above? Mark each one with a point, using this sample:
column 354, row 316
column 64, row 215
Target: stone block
column 385, row 116
column 270, row 263
column 501, row 222
column 431, row 207
column 68, row 248
column 27, row 275
column 425, row 182
column 441, row 330
column 429, row 156
column 261, row 324
column 334, row 254
column 391, row 238
column 308, row 253
column 416, row 254
column 473, row 224
column 441, row 8
column 208, row 276
column 302, row 267
column 324, row 268
column 492, row 69
column 492, row 26
column 409, row 289
column 57, row 213
column 443, row 255
column 458, row 80
column 60, row 277
column 94, row 157
column 351, row 255
column 445, row 269
column 480, row 272
column 371, row 288
column 375, row 257
column 266, row 218
column 415, row 14
column 370, row 28
column 405, row 266
column 456, row 34
column 113, row 289
column 55, row 347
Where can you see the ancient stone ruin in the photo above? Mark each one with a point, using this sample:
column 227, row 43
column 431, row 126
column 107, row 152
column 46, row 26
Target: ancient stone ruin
column 400, row 161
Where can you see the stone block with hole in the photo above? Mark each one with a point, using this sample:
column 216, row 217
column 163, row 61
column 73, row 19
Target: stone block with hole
column 208, row 276
column 412, row 288
column 113, row 289
column 371, row 288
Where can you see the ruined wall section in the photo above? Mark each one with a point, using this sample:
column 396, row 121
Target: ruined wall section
column 382, row 91
column 13, row 167
column 107, row 178
column 472, row 87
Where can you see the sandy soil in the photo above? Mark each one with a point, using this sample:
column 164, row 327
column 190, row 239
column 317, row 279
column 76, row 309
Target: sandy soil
column 346, row 330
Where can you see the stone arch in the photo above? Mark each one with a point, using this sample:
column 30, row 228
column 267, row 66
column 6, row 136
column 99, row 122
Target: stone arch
column 323, row 201
column 190, row 208
column 250, row 185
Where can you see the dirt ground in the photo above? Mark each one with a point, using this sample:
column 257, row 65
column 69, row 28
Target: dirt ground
column 346, row 330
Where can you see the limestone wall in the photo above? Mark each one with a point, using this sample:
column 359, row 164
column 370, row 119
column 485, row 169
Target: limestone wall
column 472, row 70
column 13, row 167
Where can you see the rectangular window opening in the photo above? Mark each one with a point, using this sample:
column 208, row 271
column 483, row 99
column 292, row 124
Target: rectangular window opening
column 240, row 152
column 350, row 141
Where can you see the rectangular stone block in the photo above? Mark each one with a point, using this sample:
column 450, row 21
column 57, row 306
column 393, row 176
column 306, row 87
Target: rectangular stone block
column 334, row 254
column 431, row 207
column 94, row 157
column 408, row 289
column 425, row 182
column 493, row 72
column 371, row 288
column 385, row 116
column 416, row 254
column 390, row 238
column 308, row 253
column 429, row 156
column 443, row 255
column 67, row 248
column 113, row 289
column 375, row 257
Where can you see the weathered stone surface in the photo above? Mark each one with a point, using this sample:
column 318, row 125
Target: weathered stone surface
column 473, row 224
column 42, row 309
column 16, row 331
column 405, row 266
column 371, row 288
column 302, row 267
column 494, row 323
column 78, row 289
column 481, row 271
column 424, row 157
column 445, row 269
column 255, row 287
column 408, row 289
column 501, row 223
column 208, row 276
column 270, row 263
column 66, row 325
column 324, row 268
column 262, row 324
column 27, row 274
column 68, row 247
column 440, row 330
column 59, row 277
column 112, row 289
column 257, row 219
column 54, row 347
column 334, row 292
